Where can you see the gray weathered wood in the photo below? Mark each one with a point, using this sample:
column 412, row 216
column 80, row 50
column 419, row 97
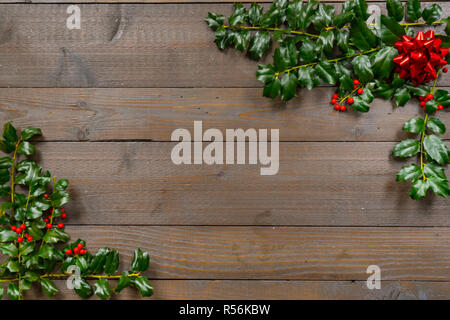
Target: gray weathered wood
column 324, row 184
column 153, row 114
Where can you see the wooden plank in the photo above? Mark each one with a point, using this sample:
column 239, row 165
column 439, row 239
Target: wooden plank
column 318, row 184
column 153, row 114
column 279, row 290
column 161, row 1
column 130, row 45
column 279, row 253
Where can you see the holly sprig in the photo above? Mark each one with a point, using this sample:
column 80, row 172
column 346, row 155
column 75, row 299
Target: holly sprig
column 317, row 45
column 32, row 232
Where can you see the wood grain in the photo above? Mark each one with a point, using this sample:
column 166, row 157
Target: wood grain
column 279, row 253
column 130, row 45
column 159, row 1
column 153, row 114
column 279, row 290
column 322, row 184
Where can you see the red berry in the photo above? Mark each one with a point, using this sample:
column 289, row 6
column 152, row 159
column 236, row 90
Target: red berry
column 356, row 81
column 343, row 108
column 421, row 98
column 335, row 96
column 63, row 215
column 30, row 238
column 423, row 103
column 82, row 251
column 445, row 70
column 76, row 250
column 68, row 252
column 49, row 226
column 63, row 210
column 60, row 225
column 355, row 86
column 13, row 228
column 429, row 97
column 333, row 101
column 80, row 245
column 440, row 107
column 19, row 239
column 360, row 91
column 18, row 231
column 337, row 107
column 350, row 100
column 51, row 210
column 46, row 220
column 23, row 227
column 46, row 195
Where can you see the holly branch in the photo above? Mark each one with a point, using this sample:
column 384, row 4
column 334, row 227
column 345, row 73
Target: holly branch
column 32, row 232
column 318, row 45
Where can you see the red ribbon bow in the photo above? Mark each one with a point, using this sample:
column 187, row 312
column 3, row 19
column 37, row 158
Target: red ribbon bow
column 420, row 57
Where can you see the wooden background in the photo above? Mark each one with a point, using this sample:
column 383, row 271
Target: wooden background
column 108, row 97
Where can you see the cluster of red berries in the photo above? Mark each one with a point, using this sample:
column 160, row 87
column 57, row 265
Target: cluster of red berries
column 350, row 100
column 20, row 230
column 49, row 218
column 77, row 250
column 429, row 97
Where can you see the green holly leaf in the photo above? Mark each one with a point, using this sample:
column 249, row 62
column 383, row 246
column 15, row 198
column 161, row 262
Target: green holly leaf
column 402, row 96
column 359, row 7
column 361, row 35
column 8, row 249
column 305, row 79
column 272, row 89
column 255, row 14
column 343, row 18
column 1, row 292
column 436, row 125
column 304, row 19
column 342, row 38
column 5, row 163
column 436, row 149
column 143, row 286
column 62, row 184
column 326, row 71
column 383, row 64
column 406, row 149
column 9, row 133
column 30, row 132
column 223, row 38
column 410, row 172
column 323, row 16
column 82, row 287
column 259, row 44
column 390, row 30
column 414, row 125
column 265, row 73
column 288, row 86
column 325, row 43
column 360, row 104
column 432, row 13
column 83, row 264
column 48, row 287
column 55, row 236
column 419, row 189
column 26, row 148
column 395, row 9
column 98, row 261
column 363, row 68
column 124, row 282
column 439, row 186
column 433, row 170
column 431, row 106
column 413, row 11
column 419, row 91
column 7, row 235
column 293, row 12
column 13, row 266
column 241, row 39
column 35, row 232
column 272, row 17
column 285, row 56
column 26, row 248
column 239, row 15
column 140, row 260
column 214, row 20
column 13, row 291
column 59, row 198
column 112, row 262
column 306, row 51
column 102, row 290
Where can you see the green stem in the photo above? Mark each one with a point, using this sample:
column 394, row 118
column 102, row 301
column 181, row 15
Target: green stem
column 422, row 164
column 331, row 60
column 272, row 29
column 91, row 276
column 13, row 169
